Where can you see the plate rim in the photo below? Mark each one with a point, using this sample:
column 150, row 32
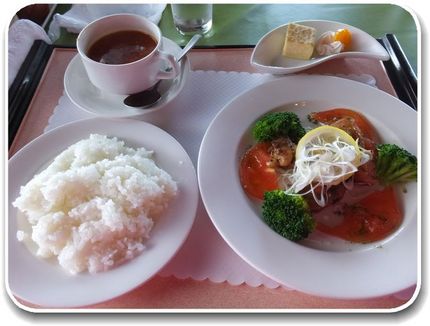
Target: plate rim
column 191, row 189
column 232, row 243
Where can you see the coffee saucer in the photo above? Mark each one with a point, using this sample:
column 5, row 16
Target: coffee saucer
column 93, row 100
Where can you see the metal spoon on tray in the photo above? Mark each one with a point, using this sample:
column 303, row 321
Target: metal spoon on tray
column 148, row 97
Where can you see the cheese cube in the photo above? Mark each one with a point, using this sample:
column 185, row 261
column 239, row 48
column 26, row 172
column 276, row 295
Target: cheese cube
column 299, row 42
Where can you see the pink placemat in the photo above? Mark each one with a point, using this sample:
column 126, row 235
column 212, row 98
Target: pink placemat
column 205, row 93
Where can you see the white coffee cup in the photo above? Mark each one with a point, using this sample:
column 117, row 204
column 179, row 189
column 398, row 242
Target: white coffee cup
column 127, row 78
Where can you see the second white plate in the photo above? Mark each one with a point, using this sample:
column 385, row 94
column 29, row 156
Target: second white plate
column 326, row 269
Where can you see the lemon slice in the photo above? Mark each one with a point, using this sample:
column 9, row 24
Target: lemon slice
column 322, row 138
column 325, row 156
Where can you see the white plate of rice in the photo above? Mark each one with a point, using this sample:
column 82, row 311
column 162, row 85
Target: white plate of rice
column 130, row 195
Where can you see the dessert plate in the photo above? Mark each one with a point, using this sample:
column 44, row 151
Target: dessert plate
column 91, row 99
column 267, row 55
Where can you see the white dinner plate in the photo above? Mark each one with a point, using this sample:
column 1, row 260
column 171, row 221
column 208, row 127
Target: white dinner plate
column 321, row 265
column 91, row 99
column 267, row 55
column 45, row 283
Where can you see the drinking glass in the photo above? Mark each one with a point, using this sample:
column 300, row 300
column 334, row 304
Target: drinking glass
column 192, row 18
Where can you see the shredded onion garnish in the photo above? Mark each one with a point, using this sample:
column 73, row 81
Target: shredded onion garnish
column 322, row 164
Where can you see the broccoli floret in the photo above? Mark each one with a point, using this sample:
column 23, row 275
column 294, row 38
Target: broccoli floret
column 395, row 164
column 278, row 124
column 288, row 215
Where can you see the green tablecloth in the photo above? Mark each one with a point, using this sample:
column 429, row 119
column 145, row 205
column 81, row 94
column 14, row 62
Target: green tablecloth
column 245, row 24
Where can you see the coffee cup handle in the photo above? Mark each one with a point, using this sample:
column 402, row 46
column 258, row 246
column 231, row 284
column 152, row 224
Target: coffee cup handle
column 173, row 65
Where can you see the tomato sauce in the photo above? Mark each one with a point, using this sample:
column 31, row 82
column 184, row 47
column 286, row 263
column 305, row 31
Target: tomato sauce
column 365, row 128
column 255, row 174
column 357, row 126
column 370, row 219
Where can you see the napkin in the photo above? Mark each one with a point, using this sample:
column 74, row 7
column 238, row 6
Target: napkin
column 189, row 114
column 81, row 14
column 21, row 35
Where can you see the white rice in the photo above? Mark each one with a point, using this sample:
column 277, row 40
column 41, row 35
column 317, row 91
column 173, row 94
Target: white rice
column 93, row 206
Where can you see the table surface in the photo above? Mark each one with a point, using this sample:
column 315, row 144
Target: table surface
column 170, row 292
column 245, row 24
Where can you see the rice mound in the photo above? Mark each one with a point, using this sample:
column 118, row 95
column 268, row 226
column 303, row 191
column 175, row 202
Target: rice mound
column 93, row 206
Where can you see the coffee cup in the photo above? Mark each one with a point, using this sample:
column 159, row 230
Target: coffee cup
column 122, row 54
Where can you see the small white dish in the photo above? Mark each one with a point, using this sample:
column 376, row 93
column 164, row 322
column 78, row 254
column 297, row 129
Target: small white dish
column 320, row 265
column 91, row 99
column 267, row 55
column 44, row 282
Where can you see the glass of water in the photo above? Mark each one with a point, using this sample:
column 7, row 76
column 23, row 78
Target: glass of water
column 192, row 18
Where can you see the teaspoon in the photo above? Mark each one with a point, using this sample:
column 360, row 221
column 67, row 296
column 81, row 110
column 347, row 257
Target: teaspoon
column 150, row 96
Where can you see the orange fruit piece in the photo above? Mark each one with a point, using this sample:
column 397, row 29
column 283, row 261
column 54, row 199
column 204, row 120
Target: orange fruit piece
column 343, row 36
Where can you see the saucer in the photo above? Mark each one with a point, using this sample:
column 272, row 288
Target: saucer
column 93, row 100
column 267, row 55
